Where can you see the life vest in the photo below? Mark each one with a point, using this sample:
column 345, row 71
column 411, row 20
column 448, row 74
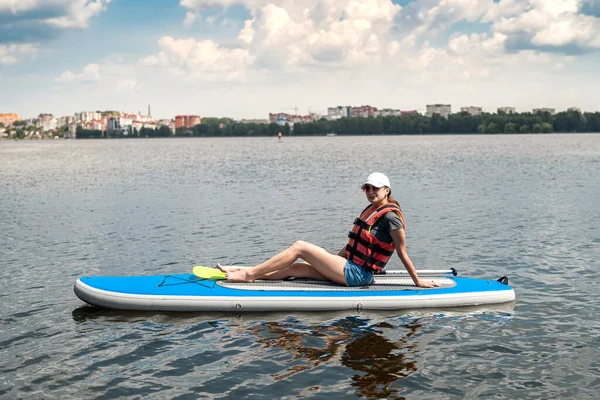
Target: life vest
column 365, row 249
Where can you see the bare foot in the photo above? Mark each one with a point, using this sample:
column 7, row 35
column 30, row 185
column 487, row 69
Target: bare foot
column 226, row 268
column 239, row 275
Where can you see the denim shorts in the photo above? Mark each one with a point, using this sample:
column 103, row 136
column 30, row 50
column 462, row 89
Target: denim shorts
column 357, row 275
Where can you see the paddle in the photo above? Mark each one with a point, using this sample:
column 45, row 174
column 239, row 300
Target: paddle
column 423, row 272
column 208, row 273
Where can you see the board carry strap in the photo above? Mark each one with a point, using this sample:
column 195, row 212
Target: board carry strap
column 425, row 272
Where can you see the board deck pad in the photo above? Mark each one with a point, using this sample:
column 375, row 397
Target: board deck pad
column 381, row 283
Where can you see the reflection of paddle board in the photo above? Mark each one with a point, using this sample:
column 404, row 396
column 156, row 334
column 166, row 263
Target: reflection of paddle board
column 188, row 292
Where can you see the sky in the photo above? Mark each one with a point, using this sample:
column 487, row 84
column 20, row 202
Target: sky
column 246, row 58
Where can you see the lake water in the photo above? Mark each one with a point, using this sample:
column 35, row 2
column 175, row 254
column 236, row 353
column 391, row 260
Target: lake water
column 523, row 206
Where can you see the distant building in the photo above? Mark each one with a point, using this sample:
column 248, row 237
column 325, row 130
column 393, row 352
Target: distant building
column 113, row 124
column 472, row 110
column 46, row 122
column 71, row 133
column 283, row 118
column 96, row 125
column 45, row 117
column 443, row 109
column 9, row 119
column 187, row 121
column 576, row 109
column 137, row 125
column 507, row 110
column 86, row 116
column 338, row 112
column 49, row 124
column 363, row 111
column 254, row 121
column 167, row 122
column 409, row 112
column 387, row 112
column 548, row 110
column 316, row 116
column 64, row 121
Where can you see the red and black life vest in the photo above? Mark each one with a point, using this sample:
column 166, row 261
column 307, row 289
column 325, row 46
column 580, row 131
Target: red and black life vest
column 365, row 249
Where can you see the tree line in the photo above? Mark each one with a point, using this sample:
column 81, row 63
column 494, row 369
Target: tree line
column 161, row 131
column 459, row 123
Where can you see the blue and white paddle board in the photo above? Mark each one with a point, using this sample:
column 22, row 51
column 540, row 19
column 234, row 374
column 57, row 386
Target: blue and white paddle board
column 188, row 292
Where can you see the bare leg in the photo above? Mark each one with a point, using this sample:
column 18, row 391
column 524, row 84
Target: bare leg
column 297, row 270
column 330, row 266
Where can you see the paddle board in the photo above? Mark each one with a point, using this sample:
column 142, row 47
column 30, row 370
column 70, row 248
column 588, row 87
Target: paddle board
column 210, row 292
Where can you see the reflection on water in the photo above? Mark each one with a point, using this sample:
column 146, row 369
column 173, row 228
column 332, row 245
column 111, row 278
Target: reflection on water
column 372, row 353
column 382, row 361
column 351, row 341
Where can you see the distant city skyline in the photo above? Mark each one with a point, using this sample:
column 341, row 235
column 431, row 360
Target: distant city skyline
column 428, row 110
column 248, row 58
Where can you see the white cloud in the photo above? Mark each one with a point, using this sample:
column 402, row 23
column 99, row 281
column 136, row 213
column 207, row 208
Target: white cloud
column 285, row 39
column 190, row 18
column 10, row 54
column 17, row 6
column 430, row 17
column 113, row 72
column 25, row 24
column 79, row 13
column 72, row 13
column 504, row 8
column 200, row 59
column 291, row 36
column 90, row 73
column 204, row 4
column 553, row 23
column 150, row 61
column 477, row 43
column 127, row 85
column 578, row 29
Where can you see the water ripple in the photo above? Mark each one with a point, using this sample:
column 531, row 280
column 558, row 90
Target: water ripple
column 523, row 206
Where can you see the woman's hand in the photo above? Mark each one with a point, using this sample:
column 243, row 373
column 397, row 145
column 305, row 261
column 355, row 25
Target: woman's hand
column 425, row 284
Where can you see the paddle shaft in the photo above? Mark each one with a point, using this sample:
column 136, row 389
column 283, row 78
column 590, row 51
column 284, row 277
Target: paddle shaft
column 424, row 272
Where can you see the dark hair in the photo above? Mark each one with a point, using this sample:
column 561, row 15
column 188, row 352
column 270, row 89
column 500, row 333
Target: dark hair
column 391, row 199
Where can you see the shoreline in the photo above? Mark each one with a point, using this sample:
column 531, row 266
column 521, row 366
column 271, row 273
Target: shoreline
column 6, row 139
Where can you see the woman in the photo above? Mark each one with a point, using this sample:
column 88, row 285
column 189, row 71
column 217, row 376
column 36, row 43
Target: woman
column 375, row 235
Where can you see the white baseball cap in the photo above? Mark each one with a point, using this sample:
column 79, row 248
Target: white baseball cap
column 377, row 179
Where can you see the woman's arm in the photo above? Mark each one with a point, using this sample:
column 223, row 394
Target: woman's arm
column 399, row 238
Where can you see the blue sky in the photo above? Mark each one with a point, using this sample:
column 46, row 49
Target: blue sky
column 246, row 58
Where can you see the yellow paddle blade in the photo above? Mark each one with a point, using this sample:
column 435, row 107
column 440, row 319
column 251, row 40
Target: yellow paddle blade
column 208, row 273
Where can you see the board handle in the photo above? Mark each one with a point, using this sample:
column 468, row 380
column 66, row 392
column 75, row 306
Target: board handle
column 424, row 272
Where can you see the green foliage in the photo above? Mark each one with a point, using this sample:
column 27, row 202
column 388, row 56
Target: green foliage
column 87, row 133
column 510, row 128
column 492, row 128
column 547, row 127
column 542, row 122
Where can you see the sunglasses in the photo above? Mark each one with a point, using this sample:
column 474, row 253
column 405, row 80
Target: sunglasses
column 370, row 188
